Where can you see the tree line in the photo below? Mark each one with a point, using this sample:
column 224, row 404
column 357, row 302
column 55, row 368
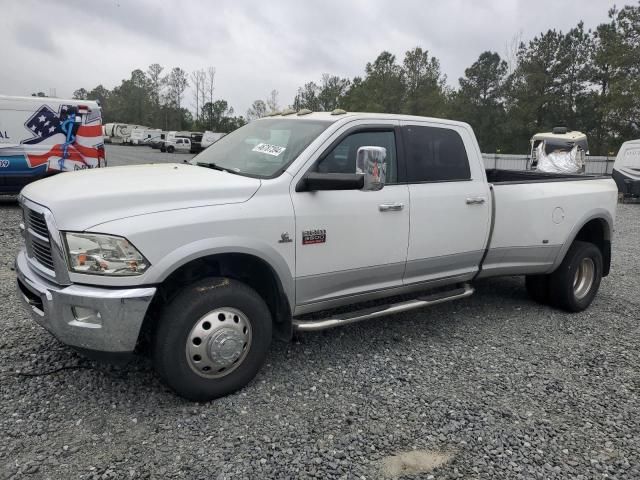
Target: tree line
column 584, row 80
column 587, row 80
column 155, row 99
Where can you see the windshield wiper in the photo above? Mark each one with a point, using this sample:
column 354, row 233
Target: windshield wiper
column 216, row 167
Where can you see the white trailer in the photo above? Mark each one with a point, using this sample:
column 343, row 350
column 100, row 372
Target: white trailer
column 209, row 138
column 120, row 132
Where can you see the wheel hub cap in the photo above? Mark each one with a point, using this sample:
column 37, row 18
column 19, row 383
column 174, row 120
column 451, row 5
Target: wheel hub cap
column 584, row 277
column 218, row 342
column 225, row 347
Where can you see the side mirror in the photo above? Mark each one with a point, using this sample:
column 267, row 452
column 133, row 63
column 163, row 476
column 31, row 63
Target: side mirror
column 370, row 162
column 315, row 181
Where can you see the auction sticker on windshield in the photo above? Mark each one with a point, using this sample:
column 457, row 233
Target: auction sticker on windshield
column 274, row 150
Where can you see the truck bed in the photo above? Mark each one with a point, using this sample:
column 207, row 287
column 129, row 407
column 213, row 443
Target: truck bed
column 534, row 215
column 498, row 176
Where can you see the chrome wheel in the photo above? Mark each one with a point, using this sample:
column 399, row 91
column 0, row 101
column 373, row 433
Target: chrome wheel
column 584, row 277
column 218, row 342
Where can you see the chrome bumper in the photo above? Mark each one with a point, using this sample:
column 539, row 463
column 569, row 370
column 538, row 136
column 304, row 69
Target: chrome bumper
column 102, row 319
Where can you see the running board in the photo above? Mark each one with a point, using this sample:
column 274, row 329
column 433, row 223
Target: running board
column 382, row 310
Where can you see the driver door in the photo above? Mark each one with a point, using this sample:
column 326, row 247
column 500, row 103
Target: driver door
column 351, row 242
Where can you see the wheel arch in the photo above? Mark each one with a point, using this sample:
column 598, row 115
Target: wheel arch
column 268, row 276
column 596, row 228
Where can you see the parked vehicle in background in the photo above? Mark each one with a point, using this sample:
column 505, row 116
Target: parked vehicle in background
column 120, row 133
column 137, row 135
column 158, row 140
column 209, row 138
column 626, row 169
column 41, row 136
column 171, row 136
column 143, row 136
column 196, row 140
column 293, row 215
column 154, row 137
column 559, row 151
column 178, row 144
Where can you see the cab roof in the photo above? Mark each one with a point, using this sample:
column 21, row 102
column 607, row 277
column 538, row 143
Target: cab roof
column 336, row 116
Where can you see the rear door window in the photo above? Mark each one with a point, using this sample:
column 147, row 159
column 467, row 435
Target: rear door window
column 435, row 155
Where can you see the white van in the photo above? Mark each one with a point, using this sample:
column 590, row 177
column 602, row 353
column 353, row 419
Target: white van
column 40, row 136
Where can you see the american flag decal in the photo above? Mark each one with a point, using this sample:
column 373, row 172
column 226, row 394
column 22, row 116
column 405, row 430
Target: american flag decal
column 44, row 124
column 47, row 144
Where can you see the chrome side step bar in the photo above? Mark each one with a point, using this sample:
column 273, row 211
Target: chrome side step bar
column 381, row 310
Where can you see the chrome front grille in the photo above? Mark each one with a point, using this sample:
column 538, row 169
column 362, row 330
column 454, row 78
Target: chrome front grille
column 43, row 243
column 42, row 253
column 37, row 223
column 37, row 239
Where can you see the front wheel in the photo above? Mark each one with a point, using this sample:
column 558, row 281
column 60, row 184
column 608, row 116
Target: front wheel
column 575, row 283
column 212, row 339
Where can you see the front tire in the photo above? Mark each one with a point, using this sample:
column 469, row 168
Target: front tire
column 212, row 339
column 575, row 282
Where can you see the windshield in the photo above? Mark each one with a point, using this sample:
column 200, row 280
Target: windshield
column 262, row 148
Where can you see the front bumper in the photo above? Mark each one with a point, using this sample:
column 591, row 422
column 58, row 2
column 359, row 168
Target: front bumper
column 92, row 318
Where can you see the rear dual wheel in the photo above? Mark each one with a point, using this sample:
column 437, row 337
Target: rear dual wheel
column 574, row 284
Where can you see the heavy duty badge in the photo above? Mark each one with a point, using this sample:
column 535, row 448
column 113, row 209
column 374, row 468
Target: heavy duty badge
column 311, row 237
column 285, row 238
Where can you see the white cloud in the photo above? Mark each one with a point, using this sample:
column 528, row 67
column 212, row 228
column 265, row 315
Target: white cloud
column 257, row 46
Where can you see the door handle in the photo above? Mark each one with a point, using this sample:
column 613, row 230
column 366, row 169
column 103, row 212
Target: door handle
column 475, row 200
column 390, row 207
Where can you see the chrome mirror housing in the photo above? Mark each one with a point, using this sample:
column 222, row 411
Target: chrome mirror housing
column 370, row 162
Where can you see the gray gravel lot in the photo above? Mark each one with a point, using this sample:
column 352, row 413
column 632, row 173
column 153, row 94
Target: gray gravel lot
column 504, row 387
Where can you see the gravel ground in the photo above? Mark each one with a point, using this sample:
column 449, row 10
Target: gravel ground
column 494, row 386
column 118, row 155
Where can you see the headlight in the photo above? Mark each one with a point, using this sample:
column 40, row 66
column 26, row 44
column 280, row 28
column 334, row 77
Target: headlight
column 100, row 254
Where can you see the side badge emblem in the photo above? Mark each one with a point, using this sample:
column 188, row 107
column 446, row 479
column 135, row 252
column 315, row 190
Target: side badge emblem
column 285, row 238
column 313, row 237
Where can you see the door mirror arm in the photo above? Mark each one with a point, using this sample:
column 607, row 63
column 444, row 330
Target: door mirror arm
column 370, row 168
column 315, row 181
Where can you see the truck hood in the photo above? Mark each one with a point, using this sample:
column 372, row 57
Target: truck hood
column 85, row 198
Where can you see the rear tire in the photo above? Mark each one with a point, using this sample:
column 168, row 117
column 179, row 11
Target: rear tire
column 170, row 149
column 212, row 339
column 538, row 288
column 575, row 282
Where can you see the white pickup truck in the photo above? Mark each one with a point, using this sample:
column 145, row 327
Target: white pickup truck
column 277, row 224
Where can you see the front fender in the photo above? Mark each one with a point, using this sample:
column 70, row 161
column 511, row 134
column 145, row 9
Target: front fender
column 219, row 245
